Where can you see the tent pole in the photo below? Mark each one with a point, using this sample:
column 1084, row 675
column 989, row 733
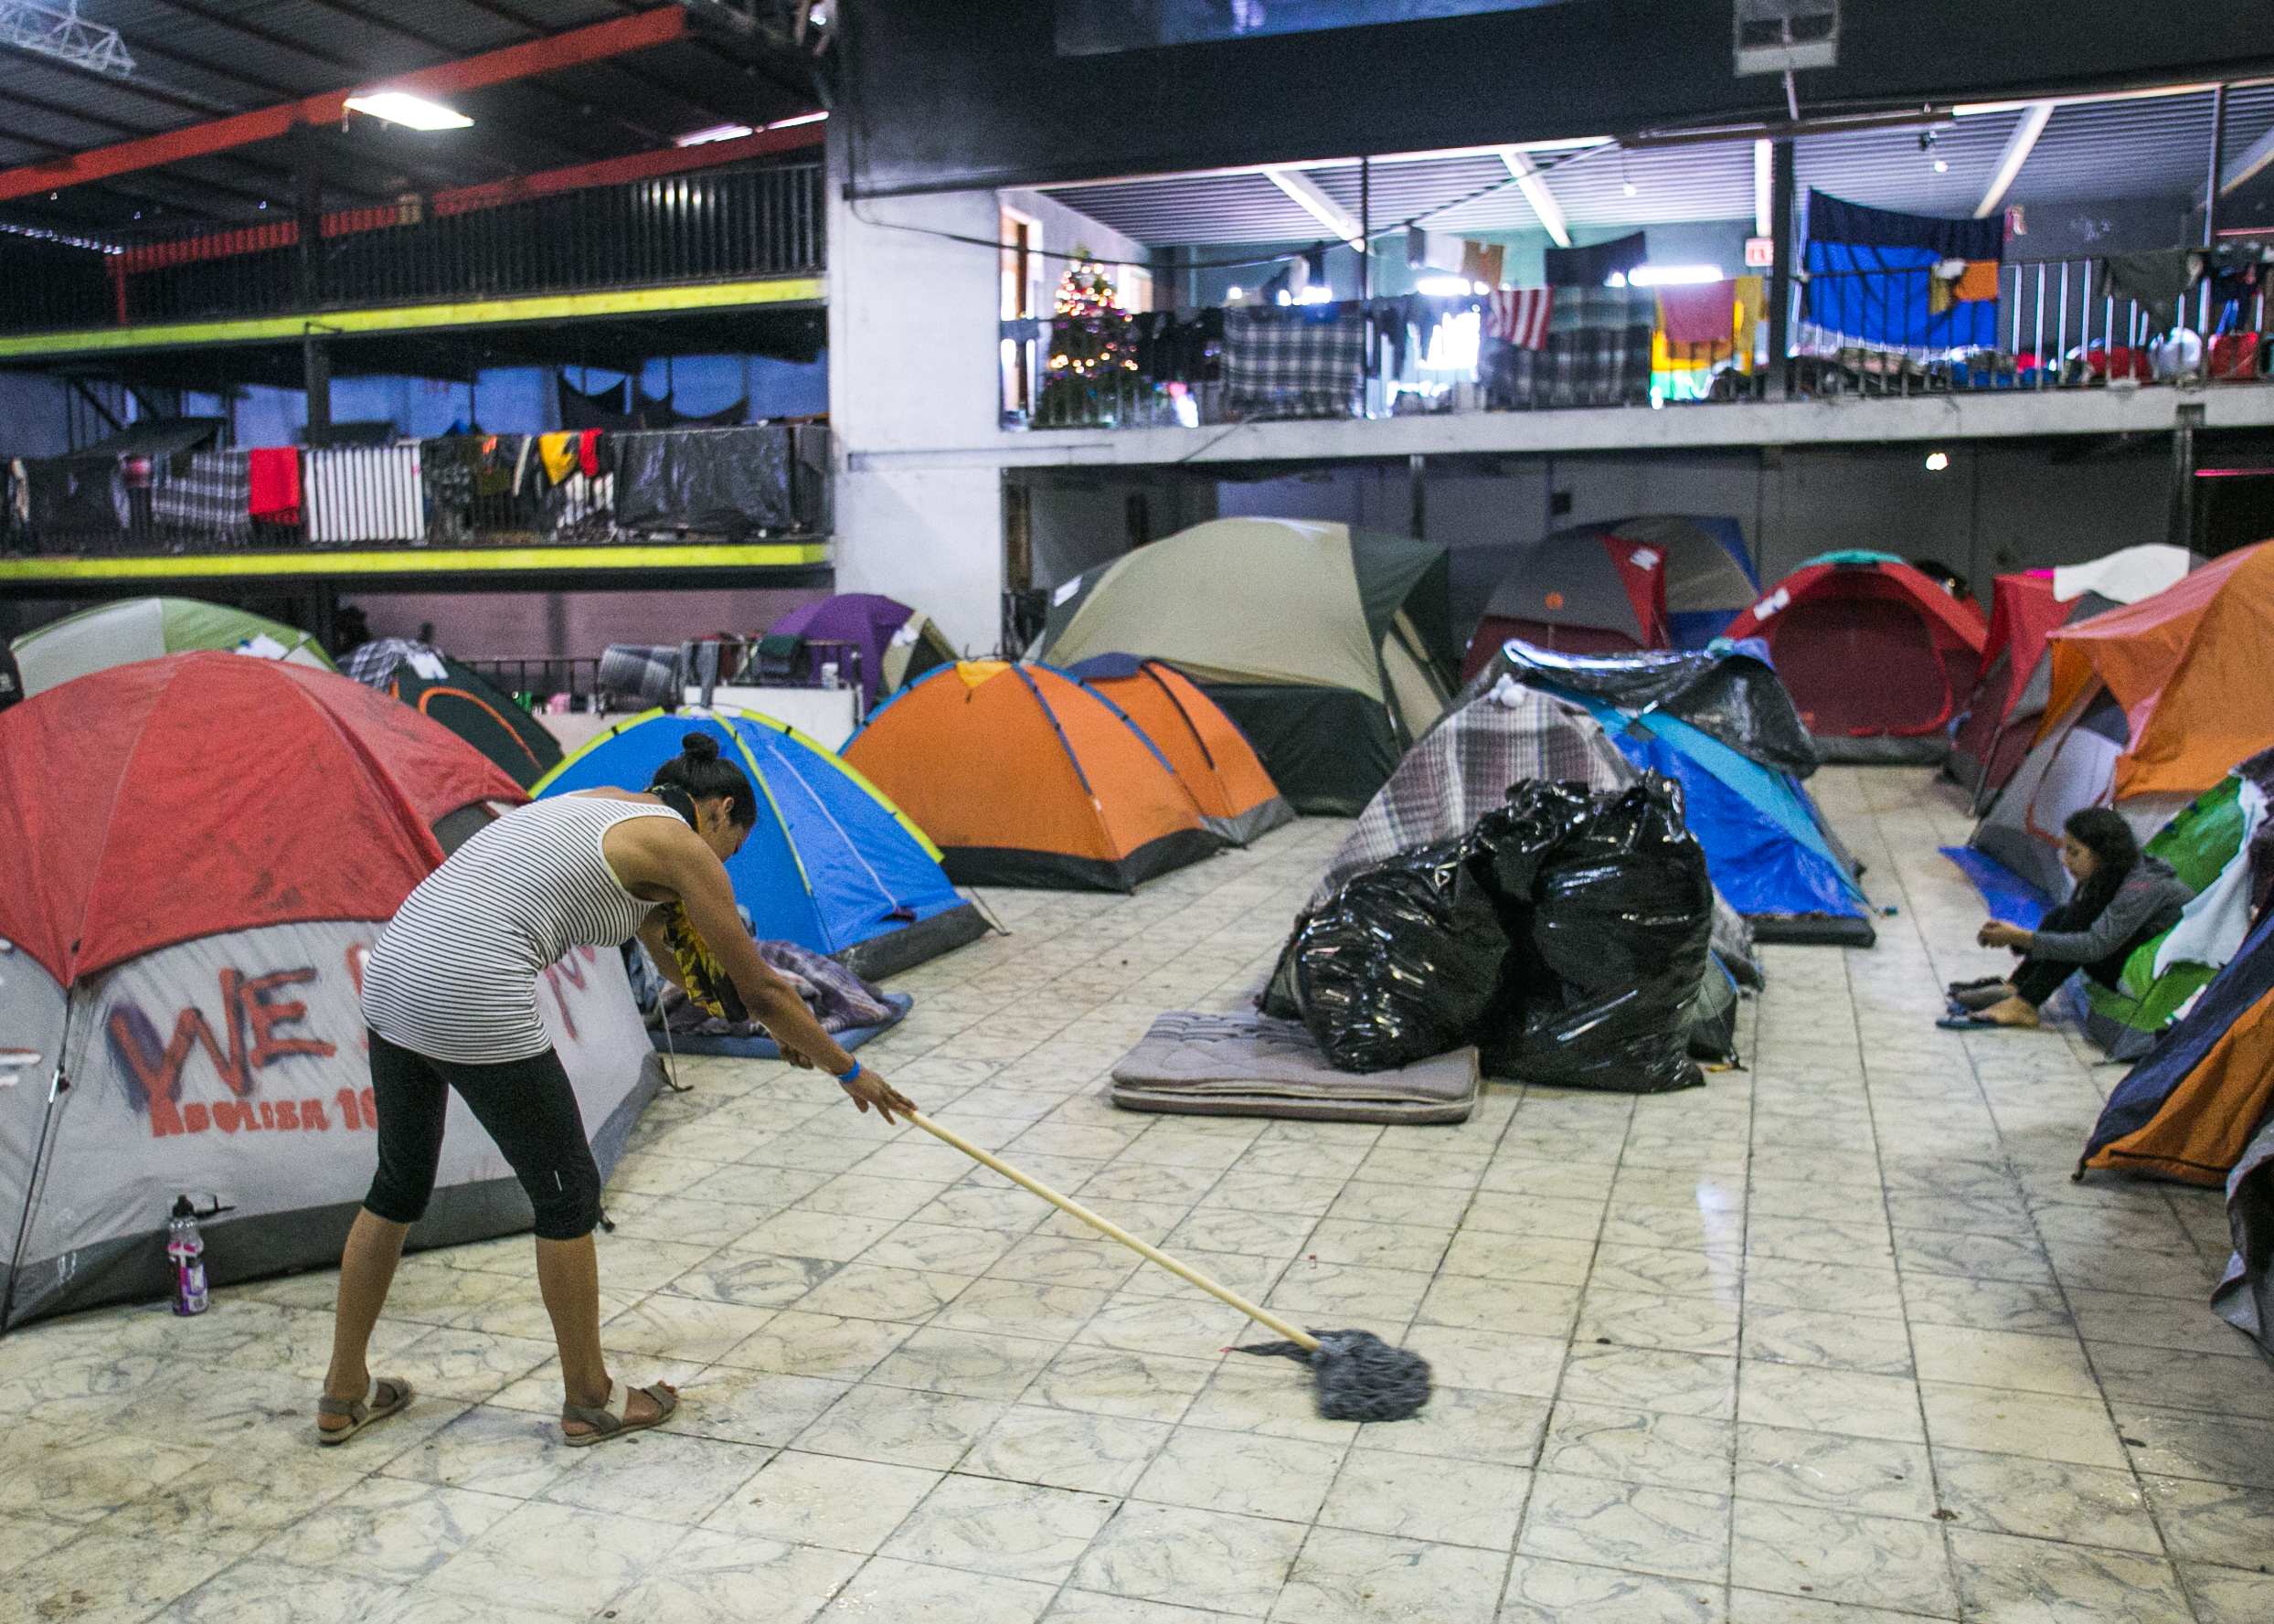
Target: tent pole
column 58, row 1084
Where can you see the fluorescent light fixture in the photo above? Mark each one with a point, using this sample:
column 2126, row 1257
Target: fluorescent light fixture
column 1444, row 284
column 804, row 118
column 716, row 133
column 1660, row 276
column 410, row 111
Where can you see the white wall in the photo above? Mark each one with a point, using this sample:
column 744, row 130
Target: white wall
column 915, row 394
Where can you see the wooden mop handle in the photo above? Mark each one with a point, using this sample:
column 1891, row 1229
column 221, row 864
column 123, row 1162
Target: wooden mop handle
column 1113, row 1231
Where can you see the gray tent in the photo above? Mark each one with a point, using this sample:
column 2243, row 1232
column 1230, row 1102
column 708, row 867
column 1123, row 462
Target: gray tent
column 1331, row 648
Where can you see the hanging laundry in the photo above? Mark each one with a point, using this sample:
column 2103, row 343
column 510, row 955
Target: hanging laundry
column 1433, row 251
column 589, row 453
column 273, row 484
column 1519, row 315
column 1481, row 262
column 2156, row 281
column 1698, row 313
column 1593, row 266
column 1306, row 361
column 1980, row 281
column 213, row 493
column 1834, row 219
column 559, row 453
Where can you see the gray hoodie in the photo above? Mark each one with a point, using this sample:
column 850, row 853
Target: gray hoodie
column 2150, row 900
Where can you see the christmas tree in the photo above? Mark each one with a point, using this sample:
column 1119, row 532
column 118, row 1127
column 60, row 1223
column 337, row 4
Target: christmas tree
column 1092, row 364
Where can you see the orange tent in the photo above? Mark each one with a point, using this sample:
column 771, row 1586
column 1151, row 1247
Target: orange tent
column 1023, row 776
column 1212, row 757
column 2189, row 667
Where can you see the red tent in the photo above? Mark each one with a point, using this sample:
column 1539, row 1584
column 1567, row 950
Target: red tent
column 1877, row 656
column 2023, row 609
column 316, row 802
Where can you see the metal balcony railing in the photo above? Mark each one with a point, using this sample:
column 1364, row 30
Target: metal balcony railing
column 767, row 481
column 2054, row 324
column 711, row 225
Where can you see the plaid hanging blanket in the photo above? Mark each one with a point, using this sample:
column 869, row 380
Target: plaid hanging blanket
column 211, row 491
column 1596, row 352
column 1462, row 767
column 1294, row 361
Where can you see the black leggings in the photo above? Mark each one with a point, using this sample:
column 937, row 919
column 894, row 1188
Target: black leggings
column 526, row 1106
column 2036, row 980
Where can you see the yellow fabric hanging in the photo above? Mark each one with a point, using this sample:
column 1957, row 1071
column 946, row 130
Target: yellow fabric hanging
column 560, row 455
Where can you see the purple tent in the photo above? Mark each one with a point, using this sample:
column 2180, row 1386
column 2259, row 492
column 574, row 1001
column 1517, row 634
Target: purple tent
column 897, row 643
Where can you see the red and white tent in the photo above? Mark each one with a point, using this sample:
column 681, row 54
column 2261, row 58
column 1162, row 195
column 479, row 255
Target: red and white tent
column 196, row 853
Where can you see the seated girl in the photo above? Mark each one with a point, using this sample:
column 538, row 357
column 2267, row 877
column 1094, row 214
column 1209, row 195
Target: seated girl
column 2122, row 899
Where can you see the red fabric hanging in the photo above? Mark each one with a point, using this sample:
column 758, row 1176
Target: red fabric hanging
column 1699, row 312
column 167, row 800
column 275, row 484
column 589, row 453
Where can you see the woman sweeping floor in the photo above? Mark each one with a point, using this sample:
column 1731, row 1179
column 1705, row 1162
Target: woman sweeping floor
column 2122, row 900
column 450, row 997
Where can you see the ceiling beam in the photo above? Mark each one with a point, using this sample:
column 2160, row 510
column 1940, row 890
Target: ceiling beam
column 2018, row 146
column 1315, row 202
column 1533, row 184
column 597, row 43
column 2261, row 154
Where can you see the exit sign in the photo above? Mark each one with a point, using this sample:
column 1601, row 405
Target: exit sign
column 1760, row 252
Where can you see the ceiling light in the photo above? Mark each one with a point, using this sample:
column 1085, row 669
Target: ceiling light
column 1232, row 293
column 1942, row 166
column 804, row 118
column 1444, row 285
column 716, row 133
column 410, row 111
column 1937, row 461
column 1627, row 187
column 1659, row 276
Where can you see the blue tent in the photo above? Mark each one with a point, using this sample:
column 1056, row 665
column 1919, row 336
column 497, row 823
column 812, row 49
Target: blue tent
column 831, row 865
column 1765, row 843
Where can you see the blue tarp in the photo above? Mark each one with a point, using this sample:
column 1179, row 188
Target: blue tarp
column 1764, row 845
column 831, row 861
column 1879, row 297
column 2009, row 898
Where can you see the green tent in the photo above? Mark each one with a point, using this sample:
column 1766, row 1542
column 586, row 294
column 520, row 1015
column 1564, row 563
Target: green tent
column 1331, row 648
column 2199, row 844
column 462, row 699
column 147, row 627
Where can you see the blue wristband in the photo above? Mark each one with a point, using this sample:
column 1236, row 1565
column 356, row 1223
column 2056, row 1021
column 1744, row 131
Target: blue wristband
column 849, row 1076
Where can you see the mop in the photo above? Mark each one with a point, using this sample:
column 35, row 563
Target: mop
column 1359, row 1376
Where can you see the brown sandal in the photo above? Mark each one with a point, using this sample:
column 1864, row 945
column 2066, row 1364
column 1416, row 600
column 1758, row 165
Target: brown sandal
column 387, row 1396
column 608, row 1420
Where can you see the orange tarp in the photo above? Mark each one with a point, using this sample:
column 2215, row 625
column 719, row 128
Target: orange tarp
column 990, row 757
column 1212, row 757
column 2201, row 1131
column 2191, row 666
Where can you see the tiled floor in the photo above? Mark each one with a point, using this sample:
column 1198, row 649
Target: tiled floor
column 1832, row 1340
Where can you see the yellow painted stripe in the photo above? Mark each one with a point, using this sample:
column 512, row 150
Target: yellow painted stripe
column 417, row 561
column 553, row 307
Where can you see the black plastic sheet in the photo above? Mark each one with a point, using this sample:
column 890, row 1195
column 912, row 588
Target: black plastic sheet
column 1610, row 913
column 1732, row 697
column 717, row 481
column 1401, row 963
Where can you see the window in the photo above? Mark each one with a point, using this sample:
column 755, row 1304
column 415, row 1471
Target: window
column 1023, row 300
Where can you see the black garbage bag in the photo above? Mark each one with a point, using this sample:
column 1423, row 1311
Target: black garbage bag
column 1402, row 962
column 1609, row 912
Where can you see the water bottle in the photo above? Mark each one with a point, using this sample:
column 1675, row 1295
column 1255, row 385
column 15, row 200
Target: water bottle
column 185, row 1248
column 829, row 676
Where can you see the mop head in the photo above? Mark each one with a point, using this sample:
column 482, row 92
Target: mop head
column 1360, row 1376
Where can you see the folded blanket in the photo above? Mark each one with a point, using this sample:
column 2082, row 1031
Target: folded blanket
column 1254, row 1066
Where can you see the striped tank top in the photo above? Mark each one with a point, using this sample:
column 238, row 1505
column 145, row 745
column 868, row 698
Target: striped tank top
column 454, row 976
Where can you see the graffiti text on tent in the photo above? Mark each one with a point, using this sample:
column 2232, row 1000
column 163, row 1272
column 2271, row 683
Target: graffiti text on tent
column 251, row 1017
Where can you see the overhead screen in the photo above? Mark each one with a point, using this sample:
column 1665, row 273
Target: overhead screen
column 934, row 96
column 1088, row 26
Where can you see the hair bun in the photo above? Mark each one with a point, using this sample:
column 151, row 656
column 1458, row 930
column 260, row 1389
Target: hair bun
column 699, row 746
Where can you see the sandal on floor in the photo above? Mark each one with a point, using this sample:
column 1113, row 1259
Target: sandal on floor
column 608, row 1420
column 385, row 1396
column 1969, row 1023
column 1976, row 985
column 1976, row 998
